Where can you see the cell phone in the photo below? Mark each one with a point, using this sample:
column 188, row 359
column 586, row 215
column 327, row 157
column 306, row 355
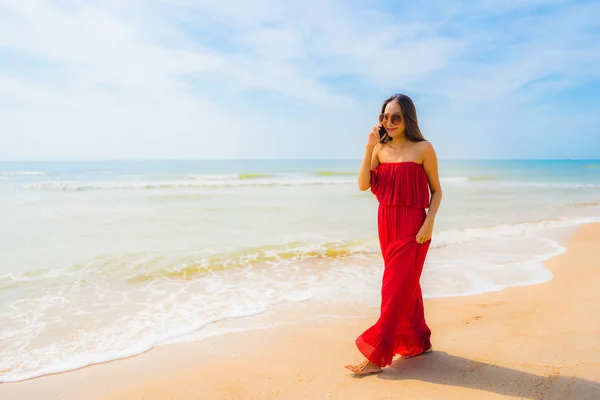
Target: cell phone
column 381, row 132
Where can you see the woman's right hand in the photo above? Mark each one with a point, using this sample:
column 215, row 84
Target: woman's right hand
column 374, row 136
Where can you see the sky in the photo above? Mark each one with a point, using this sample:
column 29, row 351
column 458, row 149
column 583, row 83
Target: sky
column 196, row 79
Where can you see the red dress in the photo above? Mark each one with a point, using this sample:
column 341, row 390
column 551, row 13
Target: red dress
column 402, row 190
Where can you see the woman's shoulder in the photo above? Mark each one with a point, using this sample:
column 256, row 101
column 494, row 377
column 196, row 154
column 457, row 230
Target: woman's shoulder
column 424, row 147
column 424, row 144
column 426, row 153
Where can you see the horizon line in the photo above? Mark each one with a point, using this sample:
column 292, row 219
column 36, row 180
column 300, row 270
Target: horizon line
column 277, row 159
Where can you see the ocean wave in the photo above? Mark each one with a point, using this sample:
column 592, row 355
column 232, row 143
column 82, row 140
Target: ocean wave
column 10, row 173
column 130, row 349
column 143, row 300
column 552, row 185
column 584, row 204
column 255, row 176
column 482, row 178
column 330, row 251
column 262, row 256
column 266, row 180
column 209, row 177
column 143, row 269
column 228, row 177
column 452, row 179
column 497, row 182
column 467, row 179
column 336, row 173
column 128, row 318
column 476, row 178
column 80, row 186
column 455, row 236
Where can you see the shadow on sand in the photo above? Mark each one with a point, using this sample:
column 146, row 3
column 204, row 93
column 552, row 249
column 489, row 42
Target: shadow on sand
column 445, row 369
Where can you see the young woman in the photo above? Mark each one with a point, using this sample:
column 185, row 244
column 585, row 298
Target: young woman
column 401, row 169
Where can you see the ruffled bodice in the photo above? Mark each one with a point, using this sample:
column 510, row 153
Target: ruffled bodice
column 401, row 184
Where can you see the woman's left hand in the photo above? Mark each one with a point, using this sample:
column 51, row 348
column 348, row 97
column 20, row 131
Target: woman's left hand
column 425, row 232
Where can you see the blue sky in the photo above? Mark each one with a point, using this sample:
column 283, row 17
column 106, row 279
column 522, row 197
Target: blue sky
column 143, row 79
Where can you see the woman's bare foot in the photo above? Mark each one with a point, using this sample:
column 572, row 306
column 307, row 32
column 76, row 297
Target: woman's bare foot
column 429, row 350
column 364, row 368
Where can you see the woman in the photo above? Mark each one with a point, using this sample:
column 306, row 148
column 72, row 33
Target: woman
column 401, row 169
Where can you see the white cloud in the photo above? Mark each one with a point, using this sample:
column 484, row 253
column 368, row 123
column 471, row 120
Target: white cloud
column 173, row 78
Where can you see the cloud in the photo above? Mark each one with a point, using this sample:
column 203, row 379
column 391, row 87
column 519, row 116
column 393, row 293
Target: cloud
column 196, row 79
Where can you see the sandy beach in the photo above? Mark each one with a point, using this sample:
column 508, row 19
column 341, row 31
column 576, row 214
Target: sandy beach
column 235, row 200
column 533, row 342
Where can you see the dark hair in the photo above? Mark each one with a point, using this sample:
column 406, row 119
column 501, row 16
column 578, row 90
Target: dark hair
column 409, row 115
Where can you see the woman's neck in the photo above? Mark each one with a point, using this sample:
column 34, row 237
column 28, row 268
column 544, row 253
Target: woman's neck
column 399, row 142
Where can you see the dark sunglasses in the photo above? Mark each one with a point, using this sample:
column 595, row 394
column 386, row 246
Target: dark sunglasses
column 394, row 118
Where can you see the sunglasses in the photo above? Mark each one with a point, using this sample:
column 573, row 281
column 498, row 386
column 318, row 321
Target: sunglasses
column 395, row 119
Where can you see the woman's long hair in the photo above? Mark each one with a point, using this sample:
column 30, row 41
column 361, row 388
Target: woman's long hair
column 409, row 115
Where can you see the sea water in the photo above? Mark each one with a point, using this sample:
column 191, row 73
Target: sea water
column 103, row 260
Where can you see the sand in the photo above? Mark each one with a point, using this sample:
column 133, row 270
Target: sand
column 531, row 342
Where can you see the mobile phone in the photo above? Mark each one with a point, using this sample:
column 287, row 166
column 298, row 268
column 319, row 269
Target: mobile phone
column 381, row 132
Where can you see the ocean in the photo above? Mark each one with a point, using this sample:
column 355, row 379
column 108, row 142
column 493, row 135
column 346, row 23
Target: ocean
column 104, row 260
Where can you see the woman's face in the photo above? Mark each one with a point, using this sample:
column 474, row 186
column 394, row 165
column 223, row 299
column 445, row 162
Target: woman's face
column 393, row 120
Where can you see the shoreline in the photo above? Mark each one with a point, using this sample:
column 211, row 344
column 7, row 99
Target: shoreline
column 533, row 273
column 475, row 340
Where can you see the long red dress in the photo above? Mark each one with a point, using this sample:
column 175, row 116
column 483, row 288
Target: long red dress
column 403, row 193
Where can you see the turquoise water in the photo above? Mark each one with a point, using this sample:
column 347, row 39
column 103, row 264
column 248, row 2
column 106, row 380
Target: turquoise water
column 100, row 260
column 582, row 171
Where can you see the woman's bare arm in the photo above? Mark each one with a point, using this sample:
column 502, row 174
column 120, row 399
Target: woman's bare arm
column 370, row 159
column 430, row 164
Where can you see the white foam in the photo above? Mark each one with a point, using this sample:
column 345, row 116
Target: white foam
column 455, row 236
column 552, row 185
column 451, row 179
column 214, row 177
column 209, row 183
column 126, row 321
column 529, row 184
column 10, row 173
column 476, row 181
column 478, row 275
